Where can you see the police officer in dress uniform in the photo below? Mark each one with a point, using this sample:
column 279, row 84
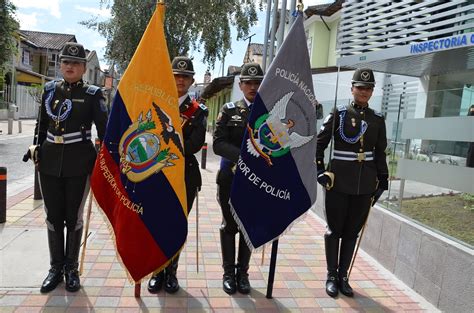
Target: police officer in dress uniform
column 65, row 156
column 228, row 136
column 194, row 122
column 360, row 176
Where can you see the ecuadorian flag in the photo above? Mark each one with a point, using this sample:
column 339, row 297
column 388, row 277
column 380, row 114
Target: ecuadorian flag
column 138, row 179
column 275, row 177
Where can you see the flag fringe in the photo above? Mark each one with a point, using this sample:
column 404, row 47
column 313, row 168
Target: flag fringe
column 247, row 238
column 119, row 258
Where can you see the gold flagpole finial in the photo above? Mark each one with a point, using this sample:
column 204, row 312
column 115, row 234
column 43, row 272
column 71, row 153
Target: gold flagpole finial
column 300, row 6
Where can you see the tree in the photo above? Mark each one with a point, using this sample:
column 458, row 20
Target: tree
column 8, row 27
column 203, row 24
column 36, row 92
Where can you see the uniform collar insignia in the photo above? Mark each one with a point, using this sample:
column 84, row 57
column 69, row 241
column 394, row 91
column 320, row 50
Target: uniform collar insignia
column 76, row 84
column 359, row 107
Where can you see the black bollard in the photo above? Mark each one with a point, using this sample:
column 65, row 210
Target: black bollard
column 3, row 194
column 203, row 155
column 37, row 190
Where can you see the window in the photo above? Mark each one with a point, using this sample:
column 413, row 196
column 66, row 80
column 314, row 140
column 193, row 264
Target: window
column 25, row 58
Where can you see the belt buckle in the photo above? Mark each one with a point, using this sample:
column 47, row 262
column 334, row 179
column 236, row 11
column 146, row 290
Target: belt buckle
column 58, row 139
column 361, row 156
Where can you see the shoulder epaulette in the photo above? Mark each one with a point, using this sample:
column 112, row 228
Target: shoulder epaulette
column 92, row 90
column 341, row 107
column 380, row 114
column 50, row 85
column 230, row 105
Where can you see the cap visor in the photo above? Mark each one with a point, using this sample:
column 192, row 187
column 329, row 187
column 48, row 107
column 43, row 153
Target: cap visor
column 72, row 59
column 363, row 85
column 247, row 78
column 187, row 73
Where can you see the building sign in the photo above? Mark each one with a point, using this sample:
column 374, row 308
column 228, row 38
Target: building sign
column 411, row 49
column 457, row 41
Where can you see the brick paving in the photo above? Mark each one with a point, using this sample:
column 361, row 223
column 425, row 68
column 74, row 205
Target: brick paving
column 298, row 286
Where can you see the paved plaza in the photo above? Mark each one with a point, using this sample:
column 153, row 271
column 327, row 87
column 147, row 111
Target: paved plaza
column 298, row 286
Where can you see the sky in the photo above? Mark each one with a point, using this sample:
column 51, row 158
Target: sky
column 63, row 16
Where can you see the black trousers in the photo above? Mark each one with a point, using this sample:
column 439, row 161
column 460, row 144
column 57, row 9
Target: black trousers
column 64, row 199
column 223, row 195
column 346, row 214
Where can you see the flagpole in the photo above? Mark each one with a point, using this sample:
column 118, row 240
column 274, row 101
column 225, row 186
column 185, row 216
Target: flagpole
column 197, row 230
column 265, row 40
column 273, row 257
column 360, row 238
column 138, row 286
column 271, row 273
column 86, row 232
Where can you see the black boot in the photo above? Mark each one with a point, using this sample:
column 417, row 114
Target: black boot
column 171, row 281
column 228, row 262
column 156, row 282
column 56, row 255
column 332, row 252
column 347, row 250
column 73, row 244
column 243, row 259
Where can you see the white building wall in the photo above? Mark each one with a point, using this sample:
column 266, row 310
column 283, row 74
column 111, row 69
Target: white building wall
column 236, row 93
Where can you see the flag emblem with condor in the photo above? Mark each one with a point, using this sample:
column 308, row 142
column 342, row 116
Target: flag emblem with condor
column 138, row 180
column 275, row 177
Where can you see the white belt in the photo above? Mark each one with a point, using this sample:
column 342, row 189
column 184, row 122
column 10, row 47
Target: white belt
column 353, row 156
column 68, row 138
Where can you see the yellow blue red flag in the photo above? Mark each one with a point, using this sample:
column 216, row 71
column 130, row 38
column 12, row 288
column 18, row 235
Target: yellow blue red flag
column 138, row 179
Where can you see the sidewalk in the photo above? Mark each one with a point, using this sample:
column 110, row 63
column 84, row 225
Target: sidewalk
column 27, row 129
column 298, row 287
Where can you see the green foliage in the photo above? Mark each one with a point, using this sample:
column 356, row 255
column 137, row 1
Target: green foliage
column 423, row 158
column 468, row 199
column 450, row 214
column 201, row 25
column 36, row 92
column 8, row 27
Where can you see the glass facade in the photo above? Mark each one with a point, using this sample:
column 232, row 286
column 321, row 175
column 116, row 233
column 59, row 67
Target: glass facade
column 430, row 144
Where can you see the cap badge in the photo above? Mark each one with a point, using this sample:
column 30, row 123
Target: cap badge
column 73, row 50
column 182, row 65
column 252, row 71
column 365, row 76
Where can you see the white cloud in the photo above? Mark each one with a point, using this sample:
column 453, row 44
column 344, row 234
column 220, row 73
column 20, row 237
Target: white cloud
column 99, row 45
column 101, row 12
column 51, row 6
column 28, row 21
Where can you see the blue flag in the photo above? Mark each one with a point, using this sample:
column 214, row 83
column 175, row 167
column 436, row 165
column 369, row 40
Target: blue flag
column 275, row 177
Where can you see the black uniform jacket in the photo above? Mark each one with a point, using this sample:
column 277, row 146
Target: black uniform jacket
column 194, row 117
column 73, row 159
column 228, row 136
column 355, row 177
